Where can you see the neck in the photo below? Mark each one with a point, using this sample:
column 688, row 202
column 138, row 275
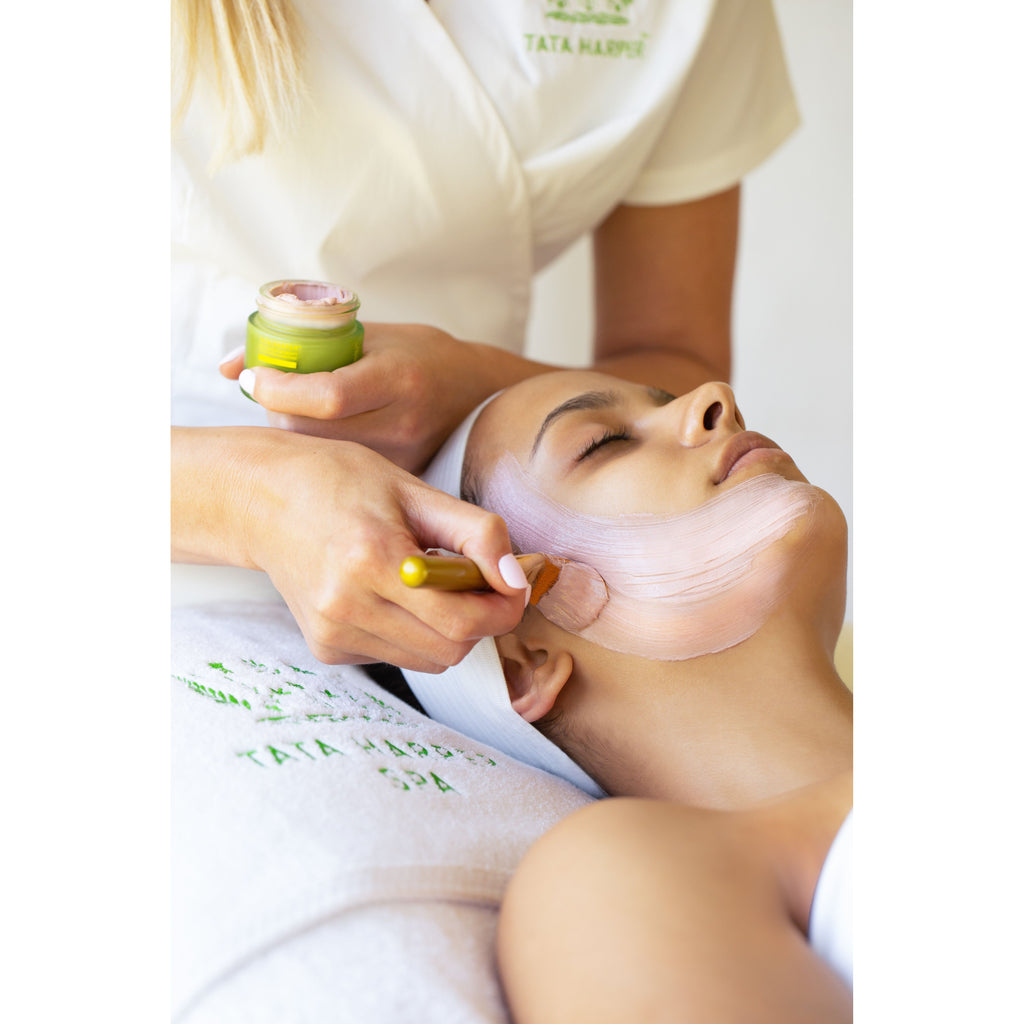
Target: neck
column 729, row 730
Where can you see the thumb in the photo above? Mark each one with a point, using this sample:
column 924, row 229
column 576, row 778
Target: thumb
column 233, row 363
column 260, row 383
column 439, row 520
column 321, row 395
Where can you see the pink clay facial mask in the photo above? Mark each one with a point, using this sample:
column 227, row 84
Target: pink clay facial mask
column 311, row 293
column 680, row 585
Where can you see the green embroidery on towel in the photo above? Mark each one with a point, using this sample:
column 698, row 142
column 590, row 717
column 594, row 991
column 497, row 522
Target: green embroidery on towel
column 442, row 785
column 218, row 695
column 472, row 759
column 287, row 700
column 406, row 779
column 326, row 749
column 260, row 667
column 417, row 780
column 435, row 750
column 281, row 756
column 371, row 713
column 276, row 700
column 282, row 691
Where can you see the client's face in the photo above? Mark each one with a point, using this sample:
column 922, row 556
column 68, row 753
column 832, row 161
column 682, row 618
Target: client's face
column 692, row 520
column 600, row 445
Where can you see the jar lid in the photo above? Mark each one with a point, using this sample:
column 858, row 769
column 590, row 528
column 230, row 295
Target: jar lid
column 317, row 304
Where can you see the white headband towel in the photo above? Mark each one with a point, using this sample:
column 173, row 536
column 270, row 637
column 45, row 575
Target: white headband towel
column 472, row 696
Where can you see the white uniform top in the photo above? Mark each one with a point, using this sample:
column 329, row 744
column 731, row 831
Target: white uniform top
column 831, row 926
column 446, row 152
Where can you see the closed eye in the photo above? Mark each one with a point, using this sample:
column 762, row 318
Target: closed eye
column 609, row 436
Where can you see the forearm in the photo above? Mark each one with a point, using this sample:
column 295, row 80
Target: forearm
column 211, row 487
column 663, row 291
column 666, row 367
column 494, row 368
column 671, row 370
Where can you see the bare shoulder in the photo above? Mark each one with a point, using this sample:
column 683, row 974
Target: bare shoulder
column 637, row 862
column 647, row 910
column 614, row 835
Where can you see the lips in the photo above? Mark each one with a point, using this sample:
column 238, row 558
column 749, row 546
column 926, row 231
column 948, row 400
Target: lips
column 737, row 448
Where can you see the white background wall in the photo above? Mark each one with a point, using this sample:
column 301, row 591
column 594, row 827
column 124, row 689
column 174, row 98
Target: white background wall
column 793, row 300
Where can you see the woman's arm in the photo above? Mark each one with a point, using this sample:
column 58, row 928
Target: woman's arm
column 663, row 282
column 330, row 522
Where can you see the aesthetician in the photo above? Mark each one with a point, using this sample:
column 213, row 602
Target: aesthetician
column 433, row 156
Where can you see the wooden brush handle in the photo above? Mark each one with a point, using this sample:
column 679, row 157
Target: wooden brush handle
column 443, row 572
column 456, row 572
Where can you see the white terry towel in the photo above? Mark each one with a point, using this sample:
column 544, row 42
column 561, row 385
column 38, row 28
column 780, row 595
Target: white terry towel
column 336, row 855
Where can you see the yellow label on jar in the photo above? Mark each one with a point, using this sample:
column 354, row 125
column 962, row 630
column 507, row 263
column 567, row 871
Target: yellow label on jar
column 278, row 353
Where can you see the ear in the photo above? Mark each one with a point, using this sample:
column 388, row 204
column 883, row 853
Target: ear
column 534, row 674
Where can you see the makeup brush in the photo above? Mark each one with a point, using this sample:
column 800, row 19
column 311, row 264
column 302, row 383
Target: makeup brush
column 567, row 593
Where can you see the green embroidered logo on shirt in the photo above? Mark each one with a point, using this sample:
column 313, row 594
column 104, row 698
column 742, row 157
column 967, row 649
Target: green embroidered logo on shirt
column 607, row 14
column 583, row 47
column 599, row 12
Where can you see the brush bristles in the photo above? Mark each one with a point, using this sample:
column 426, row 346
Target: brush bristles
column 546, row 578
column 575, row 598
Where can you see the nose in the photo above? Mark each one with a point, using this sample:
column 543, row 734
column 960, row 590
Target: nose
column 705, row 413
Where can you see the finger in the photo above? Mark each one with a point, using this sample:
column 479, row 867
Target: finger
column 449, row 625
column 461, row 617
column 233, row 363
column 341, row 644
column 307, row 425
column 403, row 640
column 362, row 387
column 439, row 520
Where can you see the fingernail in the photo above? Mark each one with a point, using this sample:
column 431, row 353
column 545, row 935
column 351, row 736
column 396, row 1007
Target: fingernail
column 247, row 382
column 512, row 572
column 233, row 354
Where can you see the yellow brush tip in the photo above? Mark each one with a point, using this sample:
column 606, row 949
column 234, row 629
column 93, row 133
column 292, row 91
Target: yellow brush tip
column 413, row 571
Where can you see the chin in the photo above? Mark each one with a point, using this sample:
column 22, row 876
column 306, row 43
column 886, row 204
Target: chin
column 817, row 565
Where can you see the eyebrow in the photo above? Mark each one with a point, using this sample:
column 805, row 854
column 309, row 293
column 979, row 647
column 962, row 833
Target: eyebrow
column 590, row 401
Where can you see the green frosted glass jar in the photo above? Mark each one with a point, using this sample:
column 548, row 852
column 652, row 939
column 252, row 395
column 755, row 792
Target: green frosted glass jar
column 304, row 327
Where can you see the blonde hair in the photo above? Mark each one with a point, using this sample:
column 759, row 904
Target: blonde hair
column 251, row 51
